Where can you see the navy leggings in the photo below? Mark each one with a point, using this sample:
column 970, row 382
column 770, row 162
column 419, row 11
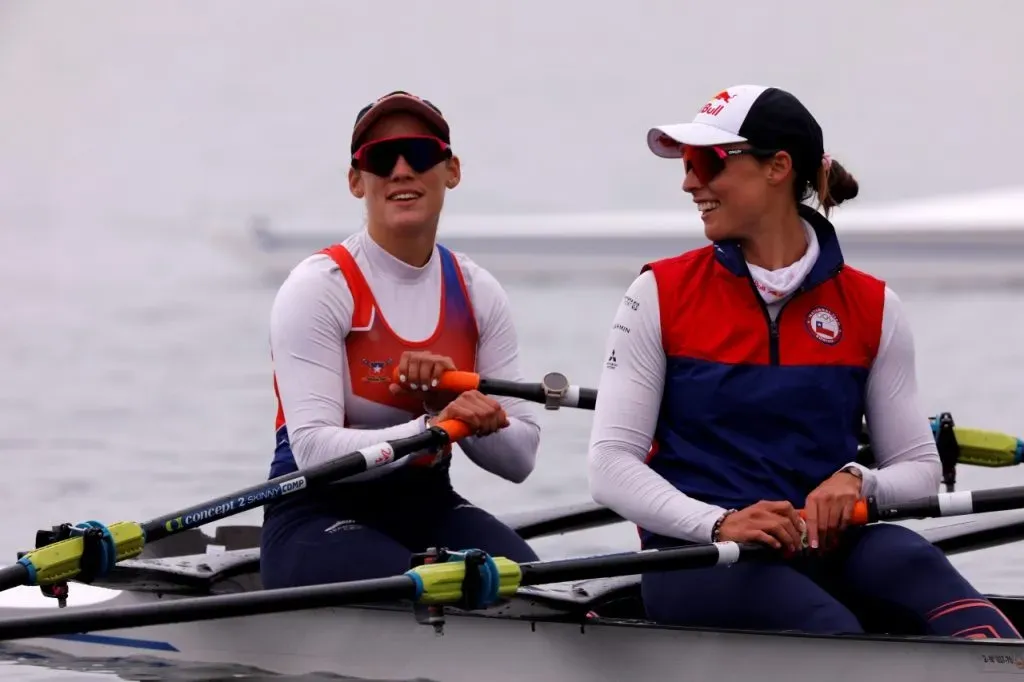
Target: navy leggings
column 311, row 542
column 882, row 578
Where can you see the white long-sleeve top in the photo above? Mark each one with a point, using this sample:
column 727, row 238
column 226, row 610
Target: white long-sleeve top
column 629, row 399
column 310, row 318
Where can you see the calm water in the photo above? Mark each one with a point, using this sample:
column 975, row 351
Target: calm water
column 136, row 381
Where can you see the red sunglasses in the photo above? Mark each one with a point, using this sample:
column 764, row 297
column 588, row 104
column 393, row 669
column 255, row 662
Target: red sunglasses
column 421, row 152
column 707, row 162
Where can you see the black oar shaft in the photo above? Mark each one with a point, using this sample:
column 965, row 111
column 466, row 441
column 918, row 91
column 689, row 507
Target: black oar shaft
column 268, row 491
column 628, row 563
column 63, row 559
column 952, row 504
column 583, row 398
column 13, row 576
column 70, row 621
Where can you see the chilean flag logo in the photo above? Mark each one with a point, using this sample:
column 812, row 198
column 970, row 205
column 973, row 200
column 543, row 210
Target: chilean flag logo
column 823, row 324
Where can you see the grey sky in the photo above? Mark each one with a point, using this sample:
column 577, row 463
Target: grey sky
column 230, row 106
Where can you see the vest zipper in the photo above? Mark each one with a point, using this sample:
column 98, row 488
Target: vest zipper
column 773, row 339
column 773, row 325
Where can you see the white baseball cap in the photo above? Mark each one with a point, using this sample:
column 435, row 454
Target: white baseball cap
column 766, row 117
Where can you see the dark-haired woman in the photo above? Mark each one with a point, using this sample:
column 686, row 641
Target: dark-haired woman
column 737, row 379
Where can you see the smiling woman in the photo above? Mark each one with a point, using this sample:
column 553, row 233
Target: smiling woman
column 344, row 320
column 738, row 396
column 398, row 145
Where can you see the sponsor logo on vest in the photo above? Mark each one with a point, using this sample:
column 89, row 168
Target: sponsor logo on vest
column 612, row 362
column 377, row 374
column 823, row 324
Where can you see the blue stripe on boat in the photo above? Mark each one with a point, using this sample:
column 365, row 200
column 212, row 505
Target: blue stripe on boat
column 110, row 640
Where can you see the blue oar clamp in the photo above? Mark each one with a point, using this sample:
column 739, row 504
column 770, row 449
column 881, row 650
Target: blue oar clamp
column 99, row 551
column 480, row 588
column 483, row 579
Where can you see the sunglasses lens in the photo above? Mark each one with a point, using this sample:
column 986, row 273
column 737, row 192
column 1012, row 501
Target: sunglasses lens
column 705, row 162
column 421, row 153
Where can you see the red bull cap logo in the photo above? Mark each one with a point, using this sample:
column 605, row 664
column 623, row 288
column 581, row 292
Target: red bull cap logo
column 716, row 104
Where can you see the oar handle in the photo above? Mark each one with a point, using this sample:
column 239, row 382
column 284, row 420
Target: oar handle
column 459, row 381
column 555, row 391
column 867, row 510
column 861, row 514
column 455, row 428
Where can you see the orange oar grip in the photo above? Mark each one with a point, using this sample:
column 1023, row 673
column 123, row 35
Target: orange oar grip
column 455, row 428
column 454, row 380
column 860, row 515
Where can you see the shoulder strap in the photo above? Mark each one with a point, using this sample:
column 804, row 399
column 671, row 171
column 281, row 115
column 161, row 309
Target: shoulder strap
column 363, row 303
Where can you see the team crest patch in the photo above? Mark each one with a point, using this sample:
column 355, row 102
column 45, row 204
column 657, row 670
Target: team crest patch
column 377, row 370
column 823, row 324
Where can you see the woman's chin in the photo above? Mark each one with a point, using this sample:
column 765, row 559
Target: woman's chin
column 714, row 229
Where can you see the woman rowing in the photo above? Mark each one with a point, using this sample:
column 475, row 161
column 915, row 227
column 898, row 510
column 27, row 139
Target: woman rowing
column 737, row 381
column 389, row 297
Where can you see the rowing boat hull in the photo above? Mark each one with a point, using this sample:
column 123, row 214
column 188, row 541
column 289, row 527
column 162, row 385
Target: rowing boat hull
column 386, row 643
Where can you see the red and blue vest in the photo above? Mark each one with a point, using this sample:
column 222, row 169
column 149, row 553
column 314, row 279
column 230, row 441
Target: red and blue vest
column 373, row 349
column 755, row 409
